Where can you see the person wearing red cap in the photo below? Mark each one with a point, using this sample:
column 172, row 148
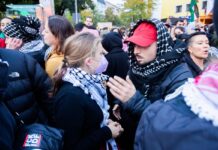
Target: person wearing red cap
column 186, row 120
column 156, row 70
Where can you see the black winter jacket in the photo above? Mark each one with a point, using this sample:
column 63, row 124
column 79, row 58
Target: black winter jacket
column 7, row 128
column 27, row 91
column 7, row 122
column 117, row 58
column 80, row 118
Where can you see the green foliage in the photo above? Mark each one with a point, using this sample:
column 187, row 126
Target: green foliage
column 68, row 15
column 3, row 4
column 97, row 17
column 61, row 5
column 136, row 9
column 85, row 13
column 110, row 17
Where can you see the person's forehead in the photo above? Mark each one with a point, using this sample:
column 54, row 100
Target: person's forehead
column 88, row 19
column 5, row 20
column 199, row 37
column 179, row 22
column 178, row 30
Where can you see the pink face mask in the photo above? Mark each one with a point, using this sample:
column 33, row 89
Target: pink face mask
column 102, row 66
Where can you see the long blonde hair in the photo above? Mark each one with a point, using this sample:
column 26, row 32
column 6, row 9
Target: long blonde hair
column 76, row 49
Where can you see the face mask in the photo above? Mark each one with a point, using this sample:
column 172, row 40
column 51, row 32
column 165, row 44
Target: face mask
column 102, row 66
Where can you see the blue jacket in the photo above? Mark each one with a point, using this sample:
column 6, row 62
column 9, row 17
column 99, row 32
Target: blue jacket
column 172, row 125
column 159, row 90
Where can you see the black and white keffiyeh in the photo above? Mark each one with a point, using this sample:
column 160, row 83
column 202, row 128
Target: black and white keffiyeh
column 24, row 27
column 166, row 55
column 165, row 59
column 92, row 85
column 32, row 46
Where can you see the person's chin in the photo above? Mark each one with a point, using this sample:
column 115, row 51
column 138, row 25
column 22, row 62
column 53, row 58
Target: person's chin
column 140, row 62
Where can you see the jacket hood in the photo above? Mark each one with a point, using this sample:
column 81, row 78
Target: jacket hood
column 111, row 41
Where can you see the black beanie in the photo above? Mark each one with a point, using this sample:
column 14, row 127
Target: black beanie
column 23, row 27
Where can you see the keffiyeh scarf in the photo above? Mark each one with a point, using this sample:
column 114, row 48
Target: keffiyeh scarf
column 32, row 46
column 23, row 27
column 92, row 85
column 165, row 59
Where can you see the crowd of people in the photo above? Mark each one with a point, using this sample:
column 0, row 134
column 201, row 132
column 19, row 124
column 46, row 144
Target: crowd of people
column 155, row 89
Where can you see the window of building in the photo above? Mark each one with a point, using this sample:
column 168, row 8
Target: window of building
column 187, row 7
column 204, row 5
column 178, row 8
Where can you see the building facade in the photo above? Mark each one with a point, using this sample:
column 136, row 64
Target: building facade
column 102, row 5
column 99, row 5
column 181, row 8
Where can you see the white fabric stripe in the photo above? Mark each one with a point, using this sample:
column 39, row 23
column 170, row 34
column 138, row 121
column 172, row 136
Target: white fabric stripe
column 211, row 74
column 174, row 94
column 207, row 88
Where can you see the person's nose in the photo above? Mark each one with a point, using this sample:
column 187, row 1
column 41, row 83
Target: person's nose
column 137, row 50
column 43, row 32
column 206, row 45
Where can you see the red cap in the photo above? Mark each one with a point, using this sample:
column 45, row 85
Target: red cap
column 144, row 35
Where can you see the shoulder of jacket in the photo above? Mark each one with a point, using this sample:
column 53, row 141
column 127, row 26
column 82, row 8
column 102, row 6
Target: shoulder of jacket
column 180, row 69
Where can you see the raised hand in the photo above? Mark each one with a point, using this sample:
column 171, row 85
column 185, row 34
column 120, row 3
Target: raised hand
column 121, row 89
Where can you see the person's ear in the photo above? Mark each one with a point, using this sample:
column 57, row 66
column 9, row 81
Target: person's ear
column 88, row 61
column 190, row 49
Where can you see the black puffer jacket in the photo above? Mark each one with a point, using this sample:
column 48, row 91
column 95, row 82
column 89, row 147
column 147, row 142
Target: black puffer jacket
column 6, row 119
column 28, row 87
